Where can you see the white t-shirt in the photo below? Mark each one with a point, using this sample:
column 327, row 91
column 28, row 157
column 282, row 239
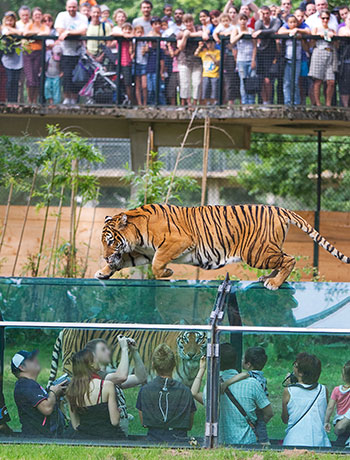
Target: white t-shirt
column 145, row 24
column 220, row 28
column 173, row 30
column 67, row 22
column 315, row 21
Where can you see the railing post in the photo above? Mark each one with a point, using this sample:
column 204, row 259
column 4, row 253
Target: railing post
column 119, row 68
column 42, row 75
column 221, row 71
column 213, row 367
column 294, row 69
column 157, row 73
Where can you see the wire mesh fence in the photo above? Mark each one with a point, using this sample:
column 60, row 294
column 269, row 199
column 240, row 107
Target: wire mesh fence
column 276, row 170
column 245, row 67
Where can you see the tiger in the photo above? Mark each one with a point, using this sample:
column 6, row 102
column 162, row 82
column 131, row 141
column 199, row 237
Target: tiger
column 188, row 346
column 208, row 237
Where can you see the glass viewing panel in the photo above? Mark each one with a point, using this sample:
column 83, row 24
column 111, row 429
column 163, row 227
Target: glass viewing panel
column 322, row 306
column 123, row 301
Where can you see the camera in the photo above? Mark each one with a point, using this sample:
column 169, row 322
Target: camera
column 292, row 380
column 62, row 379
column 129, row 340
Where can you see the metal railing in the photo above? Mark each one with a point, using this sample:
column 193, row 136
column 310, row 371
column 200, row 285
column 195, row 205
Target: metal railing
column 115, row 78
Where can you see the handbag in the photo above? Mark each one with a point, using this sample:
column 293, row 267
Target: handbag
column 252, row 83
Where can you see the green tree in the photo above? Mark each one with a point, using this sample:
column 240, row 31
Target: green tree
column 151, row 185
column 286, row 167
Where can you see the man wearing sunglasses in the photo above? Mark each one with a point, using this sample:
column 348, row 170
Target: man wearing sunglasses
column 315, row 21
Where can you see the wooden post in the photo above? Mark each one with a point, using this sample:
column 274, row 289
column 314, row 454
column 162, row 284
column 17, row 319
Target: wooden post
column 150, row 147
column 71, row 259
column 24, row 221
column 6, row 215
column 179, row 153
column 55, row 233
column 45, row 218
column 206, row 142
column 90, row 237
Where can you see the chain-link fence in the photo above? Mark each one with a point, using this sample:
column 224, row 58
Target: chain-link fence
column 277, row 170
column 259, row 67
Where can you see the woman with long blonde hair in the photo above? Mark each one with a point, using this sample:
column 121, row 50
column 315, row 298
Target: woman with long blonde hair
column 92, row 401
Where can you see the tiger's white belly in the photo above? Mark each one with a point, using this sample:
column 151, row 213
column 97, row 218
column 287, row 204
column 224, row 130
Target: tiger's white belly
column 208, row 261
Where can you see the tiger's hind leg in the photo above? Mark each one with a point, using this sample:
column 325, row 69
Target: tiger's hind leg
column 283, row 264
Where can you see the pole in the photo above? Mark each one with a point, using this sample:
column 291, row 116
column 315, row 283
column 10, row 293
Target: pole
column 221, row 71
column 42, row 75
column 36, row 271
column 157, row 73
column 119, row 69
column 213, row 367
column 206, row 143
column 318, row 194
column 24, row 222
column 294, row 69
column 9, row 197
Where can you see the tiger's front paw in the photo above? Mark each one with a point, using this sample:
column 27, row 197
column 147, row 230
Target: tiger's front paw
column 272, row 284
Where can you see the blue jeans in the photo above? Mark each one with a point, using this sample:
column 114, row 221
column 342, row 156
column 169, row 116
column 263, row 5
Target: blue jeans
column 12, row 81
column 287, row 82
column 244, row 70
column 151, row 90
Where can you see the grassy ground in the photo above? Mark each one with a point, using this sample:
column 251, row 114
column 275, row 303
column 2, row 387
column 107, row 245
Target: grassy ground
column 333, row 356
column 26, row 452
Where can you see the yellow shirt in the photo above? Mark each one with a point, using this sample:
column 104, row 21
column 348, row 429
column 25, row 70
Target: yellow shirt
column 210, row 69
column 92, row 31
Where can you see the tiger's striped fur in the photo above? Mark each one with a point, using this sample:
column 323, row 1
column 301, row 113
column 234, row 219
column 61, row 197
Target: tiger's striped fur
column 188, row 347
column 207, row 236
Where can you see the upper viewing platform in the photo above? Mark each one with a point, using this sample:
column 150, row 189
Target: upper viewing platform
column 159, row 81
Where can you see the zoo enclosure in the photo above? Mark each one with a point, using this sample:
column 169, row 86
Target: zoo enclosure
column 277, row 170
column 244, row 314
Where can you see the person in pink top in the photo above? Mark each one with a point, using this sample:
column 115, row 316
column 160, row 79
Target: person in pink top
column 340, row 399
column 127, row 55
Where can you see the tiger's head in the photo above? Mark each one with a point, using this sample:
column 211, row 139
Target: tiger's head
column 191, row 346
column 119, row 237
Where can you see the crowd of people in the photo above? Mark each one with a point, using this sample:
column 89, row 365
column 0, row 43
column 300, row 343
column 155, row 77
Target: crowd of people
column 98, row 409
column 256, row 68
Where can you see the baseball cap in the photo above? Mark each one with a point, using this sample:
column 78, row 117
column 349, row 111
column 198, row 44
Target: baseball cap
column 19, row 358
column 104, row 8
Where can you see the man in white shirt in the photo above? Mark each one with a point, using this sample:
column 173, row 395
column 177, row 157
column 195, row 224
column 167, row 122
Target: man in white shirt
column 177, row 26
column 144, row 20
column 70, row 23
column 315, row 21
column 24, row 17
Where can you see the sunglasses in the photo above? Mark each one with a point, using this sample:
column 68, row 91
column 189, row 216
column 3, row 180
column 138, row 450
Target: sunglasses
column 325, row 18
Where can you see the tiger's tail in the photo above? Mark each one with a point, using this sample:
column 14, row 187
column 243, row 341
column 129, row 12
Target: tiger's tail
column 56, row 353
column 301, row 223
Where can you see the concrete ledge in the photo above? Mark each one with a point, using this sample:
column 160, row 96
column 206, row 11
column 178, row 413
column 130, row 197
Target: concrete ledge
column 267, row 119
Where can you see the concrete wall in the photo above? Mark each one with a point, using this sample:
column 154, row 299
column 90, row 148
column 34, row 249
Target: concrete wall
column 334, row 225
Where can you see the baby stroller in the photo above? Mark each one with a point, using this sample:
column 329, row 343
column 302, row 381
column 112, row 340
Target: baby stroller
column 101, row 87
